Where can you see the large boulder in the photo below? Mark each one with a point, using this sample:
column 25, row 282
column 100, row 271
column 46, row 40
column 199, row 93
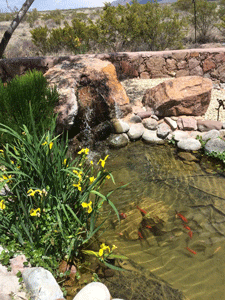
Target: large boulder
column 90, row 92
column 188, row 95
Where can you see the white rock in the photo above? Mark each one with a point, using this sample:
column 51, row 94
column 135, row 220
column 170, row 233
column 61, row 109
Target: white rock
column 120, row 126
column 212, row 134
column 93, row 291
column 189, row 144
column 41, row 284
column 136, row 131
column 171, row 122
column 180, row 135
column 150, row 136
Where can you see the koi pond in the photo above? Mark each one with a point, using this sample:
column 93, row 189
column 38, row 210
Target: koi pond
column 172, row 217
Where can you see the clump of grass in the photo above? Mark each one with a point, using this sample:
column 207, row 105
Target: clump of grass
column 16, row 97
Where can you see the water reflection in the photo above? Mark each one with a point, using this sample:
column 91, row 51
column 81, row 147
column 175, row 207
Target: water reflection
column 162, row 184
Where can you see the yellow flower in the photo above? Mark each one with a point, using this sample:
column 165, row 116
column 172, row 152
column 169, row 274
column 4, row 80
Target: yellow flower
column 108, row 177
column 7, row 178
column 2, row 204
column 32, row 192
column 35, row 212
column 100, row 252
column 92, row 179
column 91, row 162
column 113, row 247
column 43, row 144
column 104, row 247
column 88, row 206
column 102, row 161
column 24, row 133
column 78, row 186
column 50, row 145
column 85, row 151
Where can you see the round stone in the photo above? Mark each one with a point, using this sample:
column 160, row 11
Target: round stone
column 189, row 144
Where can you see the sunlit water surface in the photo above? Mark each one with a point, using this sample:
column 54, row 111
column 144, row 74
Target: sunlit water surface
column 159, row 180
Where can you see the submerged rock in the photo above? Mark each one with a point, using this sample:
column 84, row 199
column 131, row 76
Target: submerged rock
column 118, row 140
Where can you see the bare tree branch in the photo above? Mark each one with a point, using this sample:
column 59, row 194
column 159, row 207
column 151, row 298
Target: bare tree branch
column 7, row 35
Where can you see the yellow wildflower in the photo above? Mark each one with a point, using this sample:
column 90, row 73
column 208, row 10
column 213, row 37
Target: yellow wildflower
column 108, row 177
column 50, row 145
column 103, row 248
column 91, row 162
column 100, row 252
column 102, row 161
column 2, row 204
column 85, row 151
column 43, row 144
column 113, row 247
column 24, row 133
column 92, row 179
column 88, row 206
column 7, row 178
column 32, row 192
column 78, row 186
column 35, row 212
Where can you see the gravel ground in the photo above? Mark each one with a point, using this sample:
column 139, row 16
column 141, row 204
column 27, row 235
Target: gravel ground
column 135, row 89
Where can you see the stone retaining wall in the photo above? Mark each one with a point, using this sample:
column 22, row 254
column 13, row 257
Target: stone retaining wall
column 174, row 63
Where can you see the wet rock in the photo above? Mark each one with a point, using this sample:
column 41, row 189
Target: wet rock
column 102, row 131
column 189, row 144
column 118, row 140
column 188, row 95
column 41, row 284
column 187, row 156
column 150, row 123
column 89, row 90
column 215, row 145
column 212, row 134
column 120, row 126
column 207, row 125
column 163, row 130
column 171, row 123
column 150, row 136
column 136, row 131
column 93, row 291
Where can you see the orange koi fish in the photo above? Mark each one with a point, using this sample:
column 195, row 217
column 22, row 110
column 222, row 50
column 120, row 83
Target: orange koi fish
column 190, row 250
column 186, row 227
column 148, row 226
column 122, row 216
column 190, row 233
column 142, row 210
column 181, row 217
column 140, row 235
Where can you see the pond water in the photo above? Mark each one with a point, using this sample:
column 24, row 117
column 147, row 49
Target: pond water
column 189, row 254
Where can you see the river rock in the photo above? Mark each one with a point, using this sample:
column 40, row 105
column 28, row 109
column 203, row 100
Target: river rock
column 212, row 134
column 163, row 130
column 189, row 95
column 144, row 114
column 135, row 119
column 207, row 125
column 150, row 123
column 180, row 135
column 150, row 136
column 41, row 284
column 187, row 156
column 189, row 144
column 93, row 291
column 120, row 126
column 118, row 140
column 136, row 131
column 215, row 145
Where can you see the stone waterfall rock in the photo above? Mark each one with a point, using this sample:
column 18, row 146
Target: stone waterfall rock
column 188, row 95
column 90, row 93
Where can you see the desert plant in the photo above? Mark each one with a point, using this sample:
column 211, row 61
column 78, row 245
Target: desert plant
column 206, row 16
column 32, row 16
column 53, row 201
column 55, row 15
column 39, row 38
column 16, row 96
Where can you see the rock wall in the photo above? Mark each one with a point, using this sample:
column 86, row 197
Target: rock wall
column 209, row 63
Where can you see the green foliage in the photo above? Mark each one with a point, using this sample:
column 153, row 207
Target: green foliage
column 206, row 16
column 55, row 15
column 221, row 14
column 54, row 202
column 218, row 155
column 32, row 16
column 16, row 96
column 7, row 16
column 128, row 27
column 39, row 38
